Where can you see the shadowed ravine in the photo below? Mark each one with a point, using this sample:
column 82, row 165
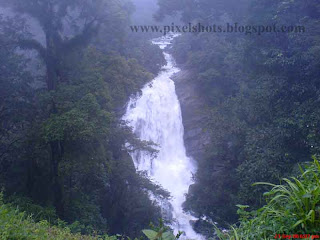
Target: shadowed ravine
column 156, row 116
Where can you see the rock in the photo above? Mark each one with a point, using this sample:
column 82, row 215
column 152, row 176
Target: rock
column 193, row 113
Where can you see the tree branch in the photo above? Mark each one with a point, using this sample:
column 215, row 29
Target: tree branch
column 30, row 44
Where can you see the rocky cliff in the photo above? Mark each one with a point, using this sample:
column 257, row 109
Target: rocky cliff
column 193, row 113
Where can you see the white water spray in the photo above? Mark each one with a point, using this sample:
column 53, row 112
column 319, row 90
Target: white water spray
column 156, row 116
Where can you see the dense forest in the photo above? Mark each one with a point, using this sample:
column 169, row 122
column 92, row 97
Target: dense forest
column 67, row 71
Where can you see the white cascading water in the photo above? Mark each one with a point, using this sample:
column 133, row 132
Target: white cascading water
column 156, row 116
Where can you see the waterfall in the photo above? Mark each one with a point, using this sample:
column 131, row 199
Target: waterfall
column 156, row 116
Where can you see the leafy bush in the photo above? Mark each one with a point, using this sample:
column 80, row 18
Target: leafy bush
column 15, row 225
column 292, row 207
column 161, row 233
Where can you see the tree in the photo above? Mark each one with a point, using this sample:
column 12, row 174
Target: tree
column 16, row 96
column 67, row 25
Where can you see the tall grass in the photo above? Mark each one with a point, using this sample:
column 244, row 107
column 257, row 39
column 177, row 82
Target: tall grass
column 293, row 207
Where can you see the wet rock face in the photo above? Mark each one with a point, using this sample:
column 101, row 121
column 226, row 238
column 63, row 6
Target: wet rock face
column 193, row 109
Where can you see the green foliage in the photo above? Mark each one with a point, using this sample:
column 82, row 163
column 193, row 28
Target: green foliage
column 148, row 55
column 18, row 225
column 161, row 233
column 292, row 207
column 82, row 122
column 37, row 212
column 153, row 235
column 15, row 225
